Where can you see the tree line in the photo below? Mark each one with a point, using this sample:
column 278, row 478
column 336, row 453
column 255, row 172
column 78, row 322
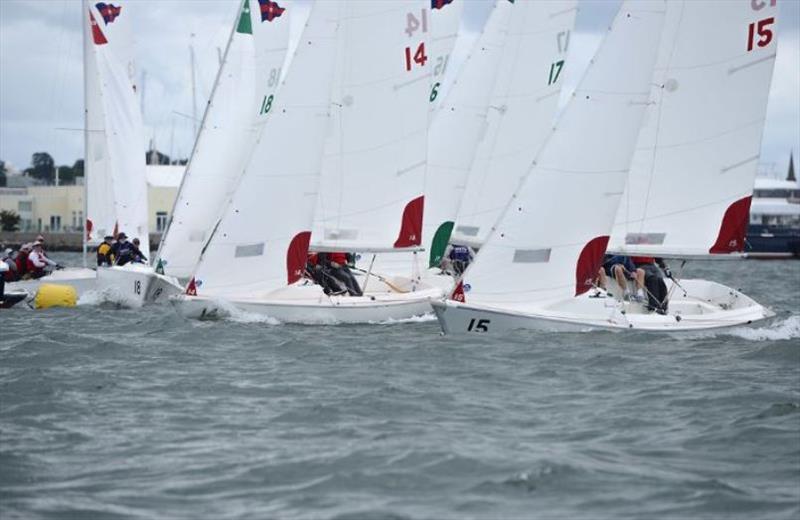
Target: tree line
column 43, row 168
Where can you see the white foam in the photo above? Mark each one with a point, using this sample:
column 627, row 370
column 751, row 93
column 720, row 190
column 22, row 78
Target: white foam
column 778, row 330
column 232, row 313
column 414, row 319
column 91, row 298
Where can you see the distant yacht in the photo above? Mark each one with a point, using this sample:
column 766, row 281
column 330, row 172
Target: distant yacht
column 774, row 230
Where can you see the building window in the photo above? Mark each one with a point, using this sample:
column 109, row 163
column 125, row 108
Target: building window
column 55, row 222
column 74, row 220
column 25, row 206
column 161, row 221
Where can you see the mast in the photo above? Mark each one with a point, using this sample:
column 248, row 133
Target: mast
column 194, row 88
column 84, row 9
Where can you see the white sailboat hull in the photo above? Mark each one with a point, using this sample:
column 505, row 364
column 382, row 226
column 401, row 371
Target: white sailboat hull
column 134, row 285
column 705, row 305
column 307, row 304
column 81, row 279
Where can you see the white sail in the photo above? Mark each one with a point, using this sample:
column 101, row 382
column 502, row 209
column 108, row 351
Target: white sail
column 553, row 232
column 240, row 103
column 371, row 193
column 514, row 33
column 261, row 242
column 692, row 176
column 520, row 116
column 115, row 162
column 445, row 22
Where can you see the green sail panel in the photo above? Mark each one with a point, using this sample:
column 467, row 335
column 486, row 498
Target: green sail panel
column 439, row 244
column 245, row 25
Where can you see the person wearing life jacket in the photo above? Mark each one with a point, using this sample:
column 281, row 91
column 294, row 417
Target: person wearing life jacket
column 22, row 261
column 336, row 264
column 138, row 256
column 105, row 252
column 460, row 258
column 653, row 281
column 317, row 269
column 38, row 262
column 123, row 250
column 621, row 268
column 10, row 275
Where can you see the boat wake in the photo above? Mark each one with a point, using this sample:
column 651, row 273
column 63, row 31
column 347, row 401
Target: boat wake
column 788, row 328
column 425, row 318
column 236, row 315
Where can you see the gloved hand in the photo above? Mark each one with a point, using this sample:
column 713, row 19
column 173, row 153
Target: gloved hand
column 668, row 273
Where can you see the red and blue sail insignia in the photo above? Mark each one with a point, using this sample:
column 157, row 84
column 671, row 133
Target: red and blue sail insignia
column 109, row 12
column 97, row 35
column 270, row 10
column 438, row 4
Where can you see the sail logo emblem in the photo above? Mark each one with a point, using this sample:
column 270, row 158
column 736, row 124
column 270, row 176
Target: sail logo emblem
column 109, row 12
column 270, row 10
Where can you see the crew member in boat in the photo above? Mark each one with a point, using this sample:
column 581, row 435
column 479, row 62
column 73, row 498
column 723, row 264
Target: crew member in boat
column 105, row 252
column 22, row 261
column 138, row 256
column 654, row 270
column 336, row 264
column 38, row 262
column 320, row 274
column 123, row 250
column 10, row 275
column 460, row 256
column 622, row 269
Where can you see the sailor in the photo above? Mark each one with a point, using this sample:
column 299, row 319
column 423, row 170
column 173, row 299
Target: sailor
column 320, row 273
column 123, row 250
column 622, row 269
column 37, row 262
column 105, row 254
column 11, row 273
column 653, row 281
column 338, row 268
column 22, row 260
column 138, row 256
column 460, row 258
column 4, row 269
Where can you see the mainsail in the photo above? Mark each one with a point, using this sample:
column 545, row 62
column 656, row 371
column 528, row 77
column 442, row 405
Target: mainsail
column 691, row 180
column 371, row 193
column 549, row 241
column 261, row 241
column 116, row 183
column 241, row 101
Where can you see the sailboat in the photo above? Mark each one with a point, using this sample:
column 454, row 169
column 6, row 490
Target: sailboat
column 530, row 271
column 250, row 70
column 114, row 147
column 372, row 180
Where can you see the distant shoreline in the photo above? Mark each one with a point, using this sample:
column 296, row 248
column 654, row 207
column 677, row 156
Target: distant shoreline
column 72, row 242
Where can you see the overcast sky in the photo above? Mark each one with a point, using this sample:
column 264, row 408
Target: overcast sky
column 41, row 78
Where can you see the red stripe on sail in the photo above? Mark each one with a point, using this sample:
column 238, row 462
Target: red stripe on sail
column 97, row 34
column 411, row 225
column 733, row 228
column 589, row 262
column 296, row 256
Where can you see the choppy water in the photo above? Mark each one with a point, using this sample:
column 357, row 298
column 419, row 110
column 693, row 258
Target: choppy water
column 111, row 413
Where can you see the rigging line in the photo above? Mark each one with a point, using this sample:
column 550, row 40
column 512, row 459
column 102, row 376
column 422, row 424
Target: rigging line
column 660, row 104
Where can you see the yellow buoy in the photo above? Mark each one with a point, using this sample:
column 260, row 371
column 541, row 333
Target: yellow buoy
column 53, row 295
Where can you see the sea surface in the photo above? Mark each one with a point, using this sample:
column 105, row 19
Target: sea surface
column 115, row 413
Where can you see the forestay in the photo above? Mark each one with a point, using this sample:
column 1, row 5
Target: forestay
column 371, row 194
column 521, row 112
column 116, row 184
column 261, row 242
column 241, row 100
column 550, row 239
column 692, row 176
